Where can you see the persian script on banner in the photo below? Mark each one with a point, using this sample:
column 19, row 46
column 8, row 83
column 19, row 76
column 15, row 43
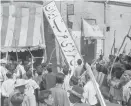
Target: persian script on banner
column 62, row 34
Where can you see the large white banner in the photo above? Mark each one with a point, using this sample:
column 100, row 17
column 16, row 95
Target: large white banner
column 62, row 35
column 91, row 30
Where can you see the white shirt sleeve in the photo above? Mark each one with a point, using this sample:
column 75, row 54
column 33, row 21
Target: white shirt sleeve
column 86, row 93
column 22, row 69
column 35, row 85
column 3, row 90
column 17, row 71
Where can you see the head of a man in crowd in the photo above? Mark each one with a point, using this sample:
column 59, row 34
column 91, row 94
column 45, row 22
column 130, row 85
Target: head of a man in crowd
column 3, row 62
column 122, row 57
column 111, row 58
column 60, row 78
column 75, row 81
column 19, row 61
column 126, row 76
column 117, row 70
column 129, row 59
column 101, row 57
column 79, row 61
column 46, row 97
column 17, row 99
column 39, row 72
column 65, row 71
column 39, row 69
column 29, row 74
column 12, row 67
column 49, row 69
column 9, row 75
column 127, row 66
column 43, row 65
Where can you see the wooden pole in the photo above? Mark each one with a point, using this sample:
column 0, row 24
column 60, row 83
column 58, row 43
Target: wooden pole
column 44, row 55
column 7, row 52
column 16, row 51
column 113, row 46
column 32, row 57
column 105, row 29
column 120, row 49
column 101, row 99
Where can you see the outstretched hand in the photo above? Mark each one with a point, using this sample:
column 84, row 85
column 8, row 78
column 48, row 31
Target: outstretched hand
column 93, row 67
column 88, row 67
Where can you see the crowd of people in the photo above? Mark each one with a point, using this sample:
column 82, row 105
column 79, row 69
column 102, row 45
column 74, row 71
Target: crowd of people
column 22, row 85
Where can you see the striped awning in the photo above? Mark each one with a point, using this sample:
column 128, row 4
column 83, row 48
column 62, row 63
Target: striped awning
column 21, row 27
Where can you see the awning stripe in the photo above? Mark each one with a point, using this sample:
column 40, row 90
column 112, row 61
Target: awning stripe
column 17, row 27
column 31, row 26
column 36, row 37
column 4, row 24
column 24, row 27
column 1, row 19
column 21, row 27
column 42, row 33
column 10, row 29
column 42, row 28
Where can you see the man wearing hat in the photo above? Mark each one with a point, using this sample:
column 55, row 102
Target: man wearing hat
column 45, row 98
column 18, row 97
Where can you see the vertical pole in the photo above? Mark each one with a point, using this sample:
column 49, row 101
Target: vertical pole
column 60, row 6
column 44, row 50
column 81, row 36
column 114, row 41
column 105, row 22
column 16, row 51
column 105, row 29
column 7, row 56
column 7, row 52
column 59, row 46
column 101, row 99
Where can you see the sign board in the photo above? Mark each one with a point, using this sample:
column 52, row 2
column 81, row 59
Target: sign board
column 62, row 35
column 70, row 9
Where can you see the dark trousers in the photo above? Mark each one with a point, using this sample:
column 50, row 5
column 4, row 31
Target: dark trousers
column 129, row 102
column 4, row 101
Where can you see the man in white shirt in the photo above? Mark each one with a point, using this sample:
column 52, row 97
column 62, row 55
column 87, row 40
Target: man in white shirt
column 78, row 70
column 7, row 87
column 66, row 84
column 90, row 95
column 3, row 70
column 20, row 71
column 31, row 88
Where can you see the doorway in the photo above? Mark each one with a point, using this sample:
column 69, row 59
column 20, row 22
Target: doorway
column 88, row 50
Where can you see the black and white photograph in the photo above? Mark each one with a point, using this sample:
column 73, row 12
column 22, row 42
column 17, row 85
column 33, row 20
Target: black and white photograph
column 65, row 53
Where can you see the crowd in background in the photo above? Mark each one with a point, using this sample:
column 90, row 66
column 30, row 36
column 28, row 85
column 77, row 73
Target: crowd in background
column 20, row 85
